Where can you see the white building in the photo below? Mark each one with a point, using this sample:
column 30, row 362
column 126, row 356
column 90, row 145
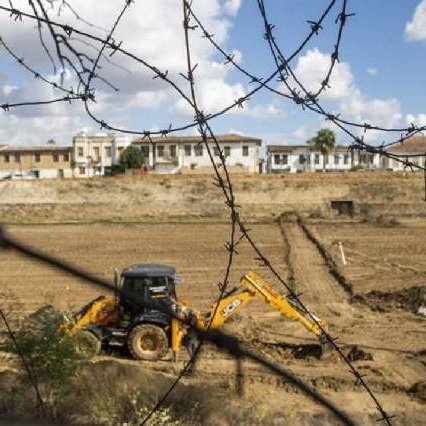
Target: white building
column 305, row 158
column 35, row 162
column 94, row 153
column 416, row 145
column 188, row 154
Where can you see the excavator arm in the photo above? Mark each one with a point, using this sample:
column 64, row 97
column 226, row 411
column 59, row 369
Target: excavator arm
column 251, row 286
column 287, row 306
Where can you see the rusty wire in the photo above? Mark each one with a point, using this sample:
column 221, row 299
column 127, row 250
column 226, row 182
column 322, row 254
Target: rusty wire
column 86, row 69
column 307, row 101
column 222, row 340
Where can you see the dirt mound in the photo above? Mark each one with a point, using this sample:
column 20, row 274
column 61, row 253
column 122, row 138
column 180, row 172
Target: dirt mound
column 418, row 390
column 357, row 354
column 283, row 350
column 109, row 391
column 408, row 299
column 150, row 197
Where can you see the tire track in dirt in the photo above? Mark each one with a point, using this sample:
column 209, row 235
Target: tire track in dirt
column 319, row 288
column 290, row 278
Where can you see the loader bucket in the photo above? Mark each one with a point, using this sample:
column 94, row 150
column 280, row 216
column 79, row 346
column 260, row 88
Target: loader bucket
column 327, row 346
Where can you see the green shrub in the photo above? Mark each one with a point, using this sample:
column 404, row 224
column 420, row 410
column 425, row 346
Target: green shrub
column 48, row 358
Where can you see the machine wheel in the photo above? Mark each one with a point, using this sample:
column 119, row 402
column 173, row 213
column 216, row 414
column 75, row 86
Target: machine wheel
column 148, row 342
column 87, row 344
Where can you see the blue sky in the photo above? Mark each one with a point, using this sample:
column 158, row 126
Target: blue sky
column 384, row 63
column 379, row 79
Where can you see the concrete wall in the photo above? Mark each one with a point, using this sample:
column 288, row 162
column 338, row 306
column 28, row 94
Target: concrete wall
column 304, row 160
column 189, row 156
column 24, row 160
column 92, row 154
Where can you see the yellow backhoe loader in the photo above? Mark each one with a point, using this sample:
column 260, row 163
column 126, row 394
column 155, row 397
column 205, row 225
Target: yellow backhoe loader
column 150, row 333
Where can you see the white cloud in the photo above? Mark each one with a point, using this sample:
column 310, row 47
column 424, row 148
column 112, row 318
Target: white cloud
column 264, row 112
column 301, row 134
column 277, row 139
column 372, row 71
column 38, row 130
column 7, row 89
column 158, row 38
column 417, row 120
column 311, row 70
column 213, row 95
column 232, row 6
column 234, row 131
column 378, row 112
column 415, row 30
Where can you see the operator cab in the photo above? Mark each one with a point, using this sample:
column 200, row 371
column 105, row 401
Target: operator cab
column 152, row 282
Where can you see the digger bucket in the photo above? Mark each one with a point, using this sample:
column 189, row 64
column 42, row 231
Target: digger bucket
column 326, row 345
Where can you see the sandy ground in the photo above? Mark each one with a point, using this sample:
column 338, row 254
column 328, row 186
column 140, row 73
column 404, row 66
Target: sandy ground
column 385, row 258
column 181, row 198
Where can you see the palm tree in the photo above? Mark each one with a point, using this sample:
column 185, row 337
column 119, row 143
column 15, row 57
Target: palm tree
column 324, row 142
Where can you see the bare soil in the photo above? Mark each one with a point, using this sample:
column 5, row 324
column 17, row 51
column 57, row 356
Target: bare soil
column 369, row 303
column 181, row 198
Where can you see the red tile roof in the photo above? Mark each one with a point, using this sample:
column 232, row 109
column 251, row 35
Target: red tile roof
column 30, row 149
column 292, row 148
column 230, row 138
column 415, row 144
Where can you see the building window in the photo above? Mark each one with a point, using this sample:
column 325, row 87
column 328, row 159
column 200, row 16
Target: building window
column 55, row 157
column 160, row 150
column 173, row 151
column 187, row 149
column 345, row 159
column 80, row 151
column 96, row 155
column 6, row 158
column 245, row 151
column 336, row 159
column 82, row 170
column 216, row 151
column 66, row 157
column 37, row 157
column 17, row 158
column 281, row 159
column 317, row 159
column 302, row 159
column 145, row 152
column 325, row 159
column 227, row 151
column 198, row 150
column 108, row 153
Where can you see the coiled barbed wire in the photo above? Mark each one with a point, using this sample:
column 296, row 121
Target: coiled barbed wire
column 86, row 69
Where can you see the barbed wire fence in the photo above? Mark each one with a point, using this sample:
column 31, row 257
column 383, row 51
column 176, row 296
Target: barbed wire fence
column 66, row 51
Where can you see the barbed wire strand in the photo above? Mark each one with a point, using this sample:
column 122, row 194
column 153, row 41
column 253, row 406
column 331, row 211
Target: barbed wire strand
column 410, row 131
column 235, row 217
column 219, row 338
column 207, row 147
column 32, row 377
column 229, row 196
column 359, row 378
column 205, row 130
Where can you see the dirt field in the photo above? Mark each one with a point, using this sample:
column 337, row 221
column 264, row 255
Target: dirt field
column 182, row 198
column 370, row 303
column 389, row 258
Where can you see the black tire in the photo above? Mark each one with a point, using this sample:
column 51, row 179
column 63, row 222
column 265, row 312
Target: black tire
column 148, row 342
column 87, row 344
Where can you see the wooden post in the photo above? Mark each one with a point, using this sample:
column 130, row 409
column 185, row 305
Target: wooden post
column 342, row 253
